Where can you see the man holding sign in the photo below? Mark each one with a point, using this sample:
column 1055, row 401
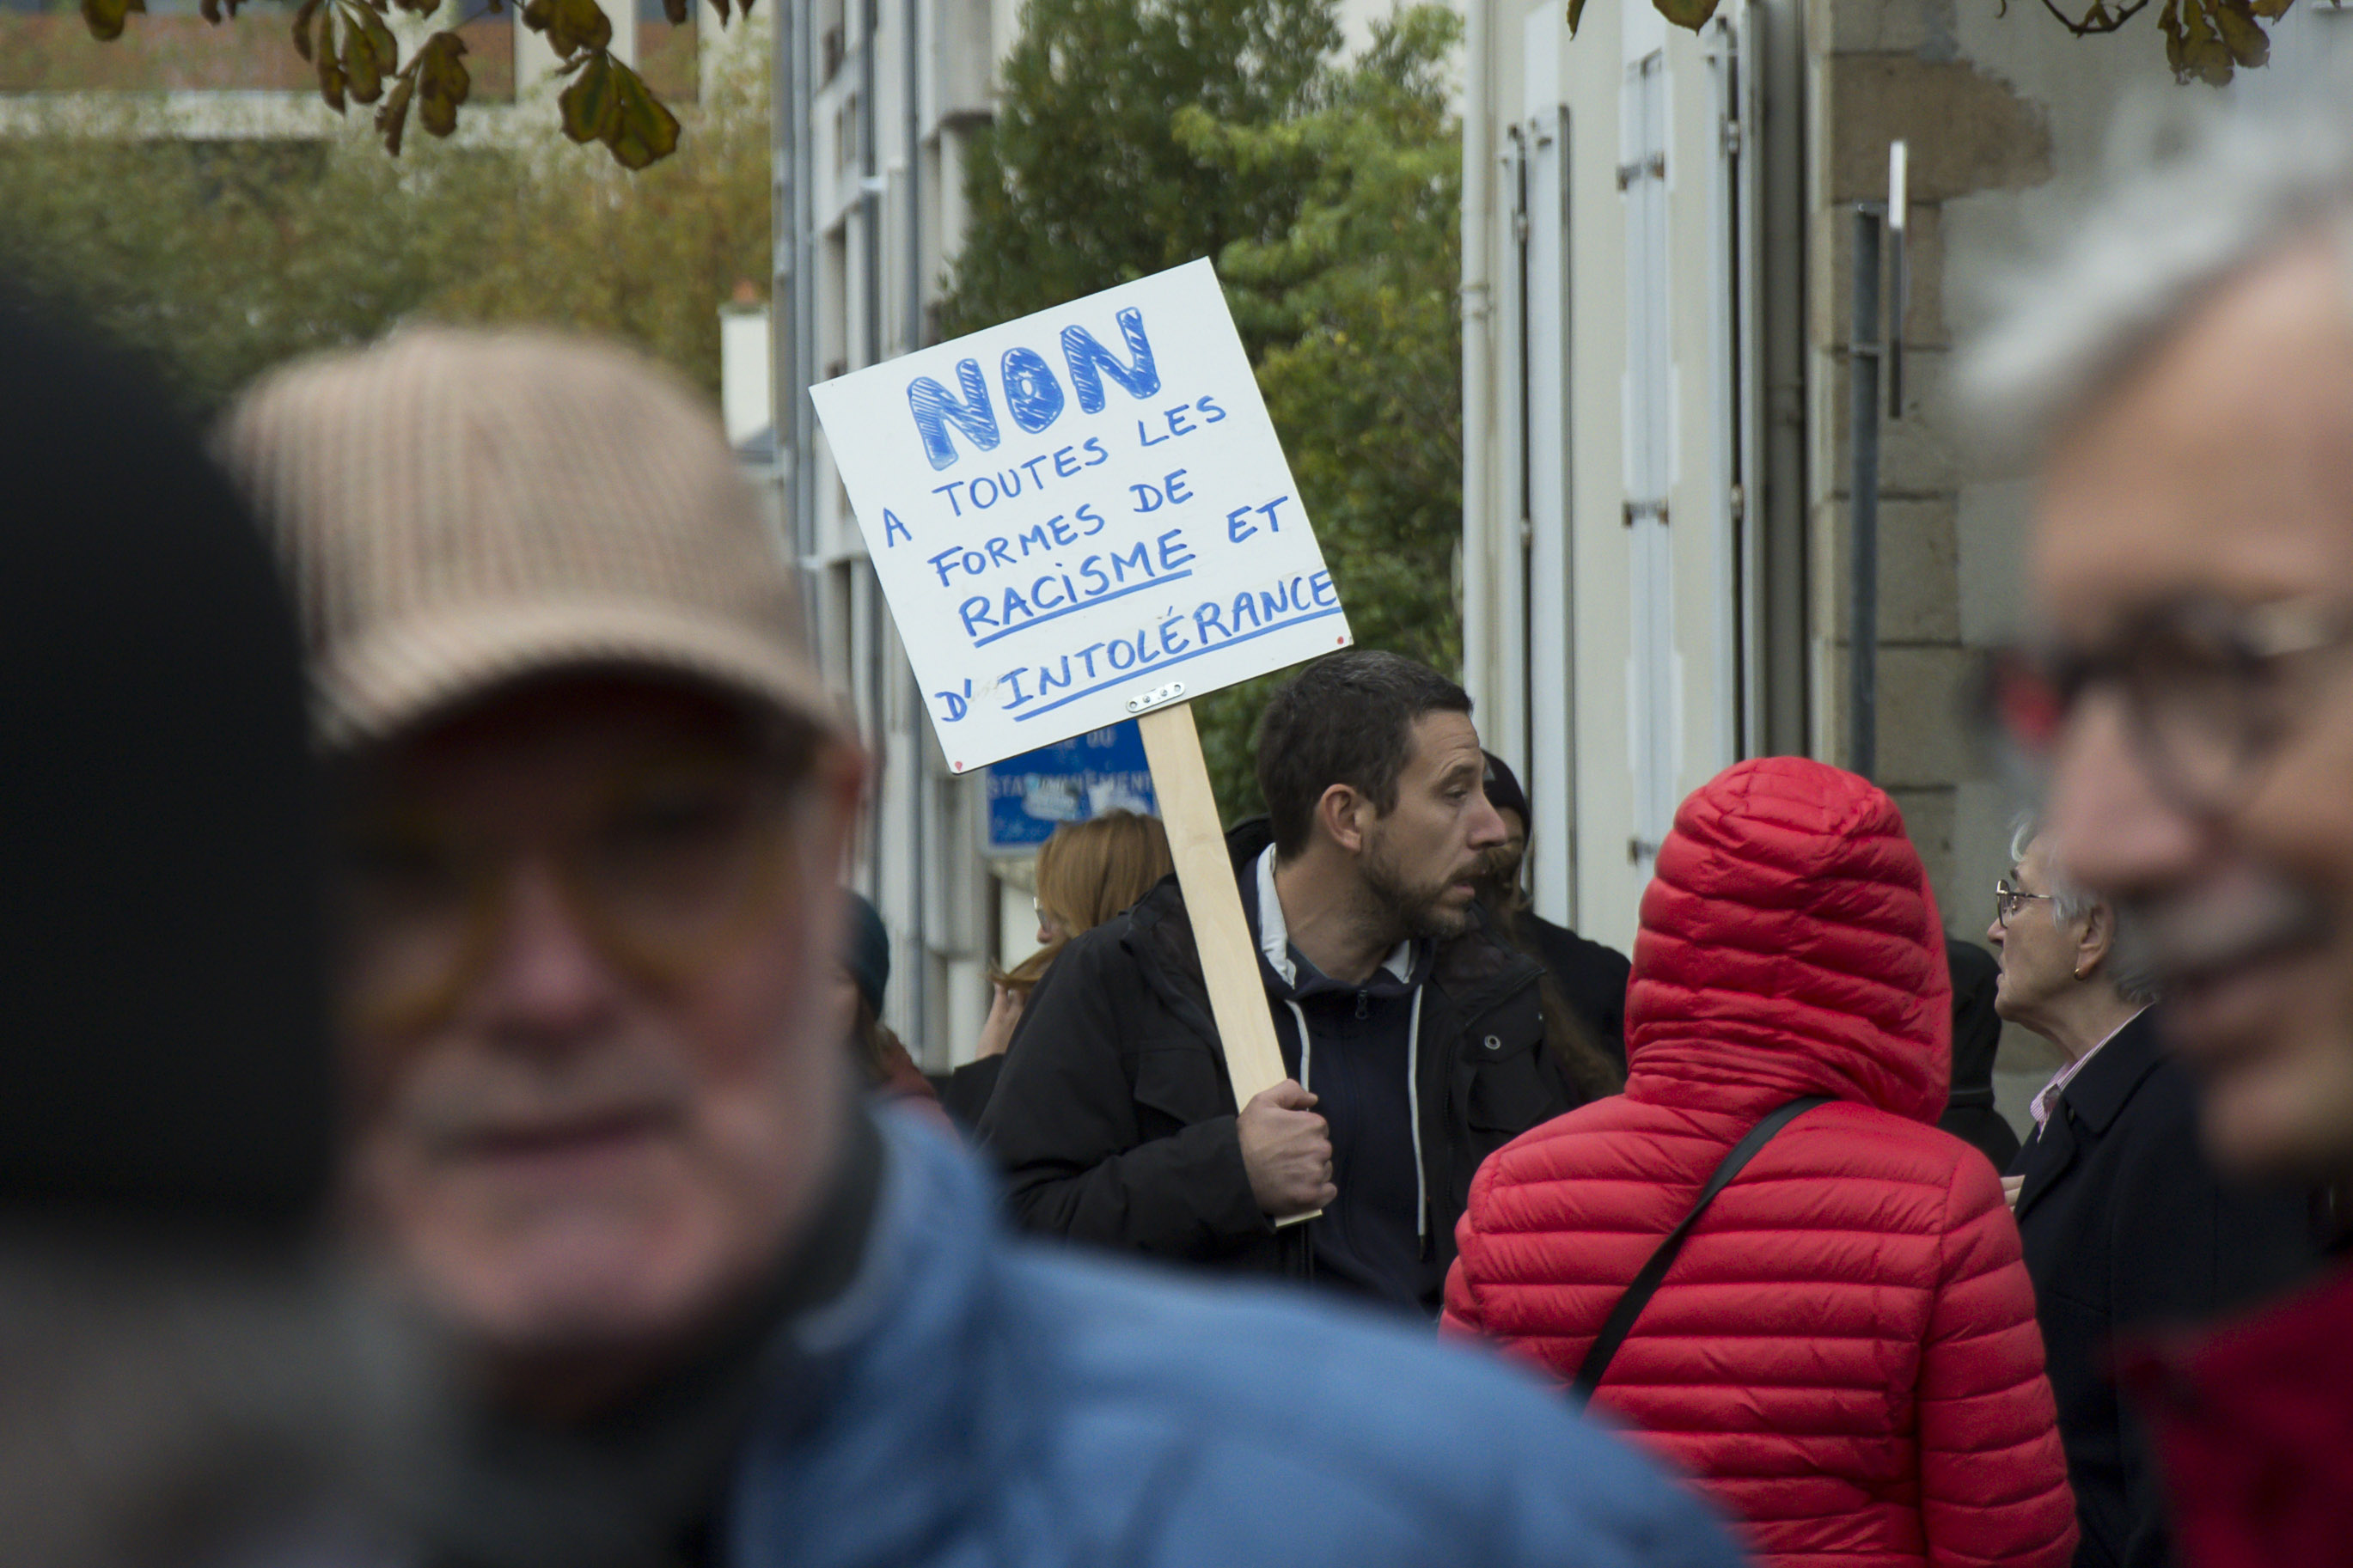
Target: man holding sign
column 1411, row 1033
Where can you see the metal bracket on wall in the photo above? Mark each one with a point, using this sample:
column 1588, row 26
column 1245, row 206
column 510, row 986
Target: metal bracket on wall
column 1656, row 168
column 1636, row 509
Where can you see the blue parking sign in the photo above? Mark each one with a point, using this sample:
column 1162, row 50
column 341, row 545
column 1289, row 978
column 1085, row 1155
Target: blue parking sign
column 1032, row 794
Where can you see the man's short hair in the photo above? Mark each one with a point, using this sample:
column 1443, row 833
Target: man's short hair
column 1349, row 720
column 2129, row 970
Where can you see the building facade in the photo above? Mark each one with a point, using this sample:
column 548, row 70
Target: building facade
column 1658, row 235
column 876, row 101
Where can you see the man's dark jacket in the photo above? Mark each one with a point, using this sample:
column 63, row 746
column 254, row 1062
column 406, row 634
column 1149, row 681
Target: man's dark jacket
column 1591, row 977
column 1115, row 1121
column 1970, row 1113
column 2126, row 1226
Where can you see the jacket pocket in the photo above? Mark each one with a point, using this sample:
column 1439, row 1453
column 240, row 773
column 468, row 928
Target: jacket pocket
column 1509, row 1091
column 1174, row 1088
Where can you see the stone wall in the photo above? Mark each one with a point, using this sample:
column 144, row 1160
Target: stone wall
column 1881, row 70
column 1982, row 138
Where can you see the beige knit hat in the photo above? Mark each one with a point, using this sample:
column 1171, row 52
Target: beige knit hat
column 458, row 510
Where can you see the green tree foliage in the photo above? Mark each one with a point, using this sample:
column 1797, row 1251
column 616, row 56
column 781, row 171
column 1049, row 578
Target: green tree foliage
column 647, row 258
column 2205, row 40
column 217, row 260
column 1081, row 182
column 1355, row 299
column 1329, row 195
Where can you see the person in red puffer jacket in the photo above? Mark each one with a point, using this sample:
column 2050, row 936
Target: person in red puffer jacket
column 1844, row 1355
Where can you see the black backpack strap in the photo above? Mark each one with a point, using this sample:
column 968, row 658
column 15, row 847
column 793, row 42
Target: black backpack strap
column 1629, row 1306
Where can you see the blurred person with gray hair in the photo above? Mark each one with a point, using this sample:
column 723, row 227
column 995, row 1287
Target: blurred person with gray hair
column 190, row 1374
column 2125, row 1224
column 2181, row 376
column 713, row 1307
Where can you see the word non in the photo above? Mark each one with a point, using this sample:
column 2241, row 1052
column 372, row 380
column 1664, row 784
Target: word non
column 1032, row 395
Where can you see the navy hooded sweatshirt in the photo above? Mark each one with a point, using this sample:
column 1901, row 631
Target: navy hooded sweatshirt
column 1356, row 1055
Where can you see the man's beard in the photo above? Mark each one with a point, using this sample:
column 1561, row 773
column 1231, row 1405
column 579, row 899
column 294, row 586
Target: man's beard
column 1407, row 910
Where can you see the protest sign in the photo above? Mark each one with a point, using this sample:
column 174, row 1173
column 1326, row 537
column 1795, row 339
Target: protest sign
column 1082, row 517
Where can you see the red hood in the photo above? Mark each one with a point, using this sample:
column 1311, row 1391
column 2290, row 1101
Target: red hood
column 1790, row 945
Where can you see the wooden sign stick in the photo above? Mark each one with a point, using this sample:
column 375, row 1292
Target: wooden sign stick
column 1205, row 871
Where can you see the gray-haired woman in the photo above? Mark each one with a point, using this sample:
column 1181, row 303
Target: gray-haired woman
column 2124, row 1225
column 2061, row 977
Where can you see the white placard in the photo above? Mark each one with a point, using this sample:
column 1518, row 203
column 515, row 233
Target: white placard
column 1080, row 515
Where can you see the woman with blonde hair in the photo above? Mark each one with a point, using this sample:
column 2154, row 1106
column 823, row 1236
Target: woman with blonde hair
column 1087, row 872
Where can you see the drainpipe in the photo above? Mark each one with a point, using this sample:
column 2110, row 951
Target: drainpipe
column 913, row 339
column 784, row 312
column 1781, row 508
column 1481, row 671
column 869, row 185
column 1878, row 347
column 910, row 338
column 1862, row 500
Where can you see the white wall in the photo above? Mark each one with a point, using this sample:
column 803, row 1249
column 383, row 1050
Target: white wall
column 1619, row 692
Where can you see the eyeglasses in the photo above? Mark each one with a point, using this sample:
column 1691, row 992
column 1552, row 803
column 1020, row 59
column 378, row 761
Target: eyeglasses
column 665, row 872
column 2206, row 689
column 2007, row 897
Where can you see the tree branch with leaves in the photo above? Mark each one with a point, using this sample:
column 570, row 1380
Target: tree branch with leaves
column 2205, row 39
column 357, row 55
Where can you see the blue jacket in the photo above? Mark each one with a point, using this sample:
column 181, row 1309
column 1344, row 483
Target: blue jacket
column 976, row 1400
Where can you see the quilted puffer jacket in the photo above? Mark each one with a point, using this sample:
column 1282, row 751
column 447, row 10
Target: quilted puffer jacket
column 1845, row 1354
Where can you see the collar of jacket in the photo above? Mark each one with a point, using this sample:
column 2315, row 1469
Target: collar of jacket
column 869, row 1396
column 2096, row 1095
column 1474, row 971
column 1406, row 968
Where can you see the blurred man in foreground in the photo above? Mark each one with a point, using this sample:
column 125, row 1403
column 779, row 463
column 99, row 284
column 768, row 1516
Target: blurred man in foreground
column 186, row 1376
column 2191, row 362
column 594, row 802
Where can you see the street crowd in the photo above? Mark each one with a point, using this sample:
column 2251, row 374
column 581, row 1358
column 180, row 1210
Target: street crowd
column 449, row 1119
